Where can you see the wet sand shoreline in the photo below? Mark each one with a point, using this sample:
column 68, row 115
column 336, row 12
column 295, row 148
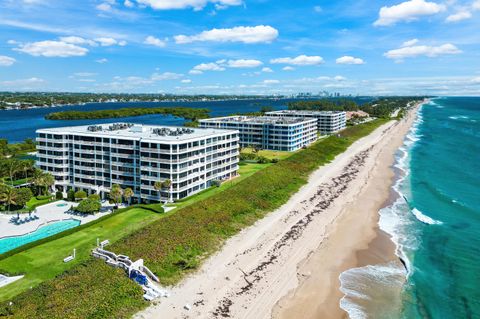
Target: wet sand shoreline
column 355, row 240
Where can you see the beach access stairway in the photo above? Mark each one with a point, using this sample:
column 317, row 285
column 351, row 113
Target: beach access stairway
column 135, row 270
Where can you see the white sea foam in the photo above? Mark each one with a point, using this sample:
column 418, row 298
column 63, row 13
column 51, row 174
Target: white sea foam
column 458, row 117
column 424, row 218
column 365, row 287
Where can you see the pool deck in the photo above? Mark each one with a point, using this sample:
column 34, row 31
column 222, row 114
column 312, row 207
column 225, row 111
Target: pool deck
column 47, row 214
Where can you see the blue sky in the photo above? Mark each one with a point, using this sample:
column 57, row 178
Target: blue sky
column 365, row 47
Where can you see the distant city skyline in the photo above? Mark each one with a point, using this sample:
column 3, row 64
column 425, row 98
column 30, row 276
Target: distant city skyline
column 249, row 47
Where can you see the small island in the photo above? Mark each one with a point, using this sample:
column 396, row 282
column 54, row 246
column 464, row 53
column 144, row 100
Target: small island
column 192, row 114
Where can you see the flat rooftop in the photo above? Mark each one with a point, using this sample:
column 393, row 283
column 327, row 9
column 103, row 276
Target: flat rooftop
column 138, row 131
column 258, row 120
column 305, row 112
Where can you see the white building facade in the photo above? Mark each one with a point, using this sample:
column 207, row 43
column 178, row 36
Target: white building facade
column 93, row 158
column 328, row 122
column 269, row 133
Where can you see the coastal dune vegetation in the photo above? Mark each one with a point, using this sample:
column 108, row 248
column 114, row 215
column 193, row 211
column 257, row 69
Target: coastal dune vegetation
column 176, row 244
column 192, row 114
column 381, row 107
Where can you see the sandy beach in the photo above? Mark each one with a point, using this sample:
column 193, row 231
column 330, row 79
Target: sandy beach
column 287, row 264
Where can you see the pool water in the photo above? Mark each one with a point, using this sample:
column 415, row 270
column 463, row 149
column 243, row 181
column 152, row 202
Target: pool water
column 9, row 243
column 62, row 205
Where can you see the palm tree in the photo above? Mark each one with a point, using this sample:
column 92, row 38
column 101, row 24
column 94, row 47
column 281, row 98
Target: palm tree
column 128, row 194
column 48, row 181
column 26, row 166
column 8, row 195
column 12, row 166
column 116, row 193
column 158, row 186
column 38, row 180
column 168, row 184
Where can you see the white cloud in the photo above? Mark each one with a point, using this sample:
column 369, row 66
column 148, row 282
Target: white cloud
column 22, row 83
column 299, row 60
column 186, row 81
column 106, row 7
column 242, row 63
column 267, row 70
column 151, row 40
column 271, row 81
column 476, row 5
column 52, row 49
column 183, row 4
column 317, row 9
column 6, row 60
column 208, row 67
column 407, row 11
column 288, row 68
column 349, row 60
column 410, row 43
column 422, row 50
column 78, row 40
column 257, row 34
column 459, row 16
column 84, row 74
column 340, row 78
column 128, row 4
column 195, row 72
column 102, row 61
column 106, row 42
column 166, row 76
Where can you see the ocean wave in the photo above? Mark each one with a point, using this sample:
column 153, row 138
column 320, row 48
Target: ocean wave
column 424, row 218
column 458, row 117
column 368, row 287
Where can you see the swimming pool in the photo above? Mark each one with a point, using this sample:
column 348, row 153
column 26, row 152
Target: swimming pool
column 13, row 242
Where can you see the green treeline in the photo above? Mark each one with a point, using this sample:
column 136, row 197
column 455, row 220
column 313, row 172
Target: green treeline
column 32, row 99
column 176, row 244
column 7, row 149
column 382, row 107
column 191, row 114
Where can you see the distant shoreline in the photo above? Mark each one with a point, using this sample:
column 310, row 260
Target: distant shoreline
column 22, row 107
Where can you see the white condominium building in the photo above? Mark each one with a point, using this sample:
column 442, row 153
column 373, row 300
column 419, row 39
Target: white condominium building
column 269, row 133
column 328, row 122
column 93, row 158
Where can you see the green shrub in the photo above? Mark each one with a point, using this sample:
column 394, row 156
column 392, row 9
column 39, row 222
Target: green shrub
column 90, row 290
column 80, row 195
column 94, row 197
column 88, row 206
column 274, row 160
column 44, row 197
column 71, row 195
column 262, row 160
column 216, row 183
column 58, row 195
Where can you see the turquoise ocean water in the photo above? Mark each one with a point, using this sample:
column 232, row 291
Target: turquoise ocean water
column 435, row 223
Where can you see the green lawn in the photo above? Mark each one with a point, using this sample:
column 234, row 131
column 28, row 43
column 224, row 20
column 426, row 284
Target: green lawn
column 280, row 155
column 16, row 182
column 46, row 261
